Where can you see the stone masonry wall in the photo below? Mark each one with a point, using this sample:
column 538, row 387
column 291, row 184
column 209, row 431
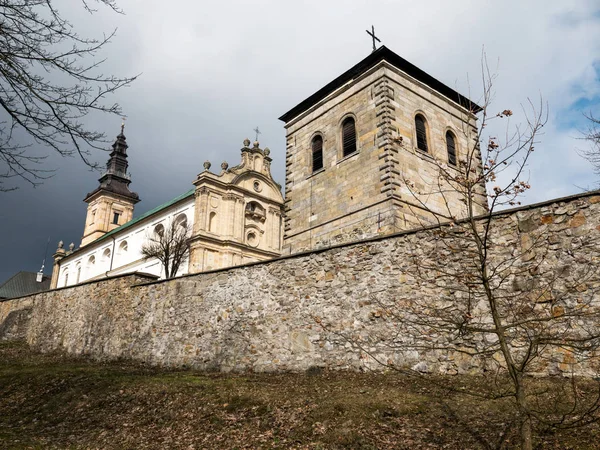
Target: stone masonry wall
column 291, row 313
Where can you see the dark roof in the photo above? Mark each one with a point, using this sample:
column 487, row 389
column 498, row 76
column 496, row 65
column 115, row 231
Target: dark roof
column 381, row 54
column 116, row 185
column 23, row 283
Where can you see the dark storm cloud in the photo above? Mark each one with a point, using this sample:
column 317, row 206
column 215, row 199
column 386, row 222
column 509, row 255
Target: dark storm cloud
column 213, row 71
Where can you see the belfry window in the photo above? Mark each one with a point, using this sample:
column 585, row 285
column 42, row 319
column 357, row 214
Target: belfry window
column 451, row 146
column 317, row 153
column 348, row 136
column 116, row 216
column 421, row 130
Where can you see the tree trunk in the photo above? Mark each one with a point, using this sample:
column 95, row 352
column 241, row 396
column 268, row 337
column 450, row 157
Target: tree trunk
column 526, row 433
column 526, row 443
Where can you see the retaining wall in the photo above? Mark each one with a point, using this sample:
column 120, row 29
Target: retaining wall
column 315, row 309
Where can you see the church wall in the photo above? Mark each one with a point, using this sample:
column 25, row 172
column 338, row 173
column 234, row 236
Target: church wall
column 293, row 313
column 124, row 251
column 237, row 214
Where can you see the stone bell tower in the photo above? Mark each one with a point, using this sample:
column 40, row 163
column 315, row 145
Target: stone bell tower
column 110, row 205
column 354, row 144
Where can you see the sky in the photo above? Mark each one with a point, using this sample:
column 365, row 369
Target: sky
column 210, row 72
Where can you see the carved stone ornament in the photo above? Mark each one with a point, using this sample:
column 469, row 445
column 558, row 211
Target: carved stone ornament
column 224, row 165
column 71, row 246
column 60, row 245
column 267, row 151
column 246, row 142
column 207, row 165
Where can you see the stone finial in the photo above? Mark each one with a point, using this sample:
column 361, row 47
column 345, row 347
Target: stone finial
column 207, row 165
column 246, row 142
column 224, row 165
column 71, row 246
column 60, row 245
column 267, row 151
column 256, row 144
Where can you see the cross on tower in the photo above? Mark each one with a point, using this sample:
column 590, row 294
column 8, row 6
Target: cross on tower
column 375, row 38
column 257, row 131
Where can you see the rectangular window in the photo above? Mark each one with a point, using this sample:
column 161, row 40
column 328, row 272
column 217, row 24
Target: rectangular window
column 116, row 218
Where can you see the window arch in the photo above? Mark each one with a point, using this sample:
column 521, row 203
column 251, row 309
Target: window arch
column 123, row 249
column 78, row 274
column 106, row 257
column 181, row 221
column 348, row 136
column 66, row 278
column 317, row 153
column 421, row 130
column 451, row 147
column 90, row 265
column 159, row 230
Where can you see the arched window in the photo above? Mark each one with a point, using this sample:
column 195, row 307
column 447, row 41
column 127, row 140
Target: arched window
column 159, row 230
column 421, row 129
column 106, row 258
column 123, row 248
column 90, row 266
column 78, row 273
column 348, row 136
column 212, row 222
column 66, row 277
column 451, row 146
column 317, row 153
column 181, row 220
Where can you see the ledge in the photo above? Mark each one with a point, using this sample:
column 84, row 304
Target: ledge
column 347, row 157
column 321, row 170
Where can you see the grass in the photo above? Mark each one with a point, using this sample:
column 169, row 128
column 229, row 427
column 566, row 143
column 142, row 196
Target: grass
column 54, row 401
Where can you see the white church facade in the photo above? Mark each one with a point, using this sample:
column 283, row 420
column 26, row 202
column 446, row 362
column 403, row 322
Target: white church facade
column 349, row 146
column 233, row 217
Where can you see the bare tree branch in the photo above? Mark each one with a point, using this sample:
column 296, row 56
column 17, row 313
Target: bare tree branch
column 47, row 87
column 509, row 300
column 592, row 135
column 170, row 245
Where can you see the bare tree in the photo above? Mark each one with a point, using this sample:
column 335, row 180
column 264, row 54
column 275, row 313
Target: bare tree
column 592, row 135
column 170, row 245
column 49, row 81
column 503, row 295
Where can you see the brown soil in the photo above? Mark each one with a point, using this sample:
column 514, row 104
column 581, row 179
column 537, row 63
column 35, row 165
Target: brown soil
column 53, row 401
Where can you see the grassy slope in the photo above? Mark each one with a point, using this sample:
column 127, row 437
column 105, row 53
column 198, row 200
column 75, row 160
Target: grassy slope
column 51, row 401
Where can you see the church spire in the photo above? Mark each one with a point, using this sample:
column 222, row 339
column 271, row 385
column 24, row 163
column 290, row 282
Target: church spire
column 110, row 205
column 116, row 179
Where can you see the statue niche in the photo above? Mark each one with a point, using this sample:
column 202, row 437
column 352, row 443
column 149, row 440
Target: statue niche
column 255, row 213
column 254, row 218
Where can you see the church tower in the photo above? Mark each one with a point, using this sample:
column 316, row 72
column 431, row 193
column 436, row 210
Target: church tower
column 352, row 146
column 110, row 205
